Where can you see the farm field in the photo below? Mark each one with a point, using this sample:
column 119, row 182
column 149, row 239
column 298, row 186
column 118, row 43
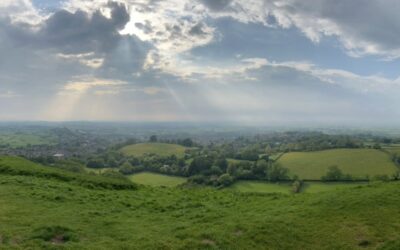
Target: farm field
column 156, row 180
column 23, row 140
column 392, row 149
column 162, row 149
column 261, row 187
column 356, row 162
column 37, row 212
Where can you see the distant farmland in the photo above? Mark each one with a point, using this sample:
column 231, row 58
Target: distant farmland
column 356, row 162
column 152, row 179
column 162, row 149
column 23, row 140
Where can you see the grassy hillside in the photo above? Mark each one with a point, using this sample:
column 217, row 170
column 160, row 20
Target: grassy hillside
column 357, row 162
column 19, row 166
column 261, row 187
column 153, row 179
column 162, row 149
column 49, row 213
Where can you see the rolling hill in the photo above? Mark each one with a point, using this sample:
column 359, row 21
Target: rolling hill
column 41, row 212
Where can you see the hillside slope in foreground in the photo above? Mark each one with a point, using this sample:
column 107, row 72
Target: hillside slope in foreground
column 41, row 212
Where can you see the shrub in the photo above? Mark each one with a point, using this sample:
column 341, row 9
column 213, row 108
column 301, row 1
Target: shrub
column 225, row 180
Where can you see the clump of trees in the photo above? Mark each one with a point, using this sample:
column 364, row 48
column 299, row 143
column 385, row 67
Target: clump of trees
column 335, row 174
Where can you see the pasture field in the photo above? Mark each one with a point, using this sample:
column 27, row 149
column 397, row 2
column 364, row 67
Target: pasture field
column 261, row 187
column 156, row 180
column 162, row 149
column 357, row 162
column 392, row 149
column 23, row 140
column 38, row 212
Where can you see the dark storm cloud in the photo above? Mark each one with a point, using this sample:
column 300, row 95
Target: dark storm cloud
column 216, row 5
column 74, row 33
column 78, row 32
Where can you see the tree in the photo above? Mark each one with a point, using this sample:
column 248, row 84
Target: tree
column 225, row 180
column 187, row 142
column 153, row 138
column 199, row 165
column 333, row 174
column 95, row 163
column 277, row 173
column 260, row 168
column 126, row 168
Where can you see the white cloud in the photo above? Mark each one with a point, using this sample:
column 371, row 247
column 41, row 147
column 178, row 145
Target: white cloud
column 86, row 83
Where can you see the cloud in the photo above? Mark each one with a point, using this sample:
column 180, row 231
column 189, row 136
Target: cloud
column 216, row 5
column 87, row 83
column 363, row 27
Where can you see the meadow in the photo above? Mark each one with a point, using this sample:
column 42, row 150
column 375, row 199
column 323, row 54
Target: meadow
column 156, row 180
column 392, row 149
column 357, row 162
column 286, row 187
column 16, row 140
column 261, row 187
column 38, row 212
column 162, row 149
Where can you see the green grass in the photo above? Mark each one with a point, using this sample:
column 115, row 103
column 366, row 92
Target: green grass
column 23, row 140
column 39, row 213
column 393, row 149
column 261, row 187
column 162, row 149
column 317, row 187
column 357, row 162
column 10, row 165
column 156, row 180
column 286, row 188
column 42, row 212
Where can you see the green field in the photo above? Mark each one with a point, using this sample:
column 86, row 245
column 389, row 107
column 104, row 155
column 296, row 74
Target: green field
column 162, row 149
column 23, row 140
column 286, row 188
column 357, row 162
column 393, row 149
column 42, row 212
column 317, row 187
column 156, row 180
column 261, row 187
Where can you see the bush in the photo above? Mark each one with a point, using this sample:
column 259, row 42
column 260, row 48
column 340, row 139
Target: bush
column 225, row 180
column 333, row 174
column 54, row 234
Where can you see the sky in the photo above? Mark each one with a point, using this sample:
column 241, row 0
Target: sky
column 235, row 61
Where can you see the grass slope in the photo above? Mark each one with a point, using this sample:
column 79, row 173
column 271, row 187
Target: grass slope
column 261, row 187
column 357, row 162
column 49, row 213
column 10, row 165
column 162, row 149
column 153, row 179
column 317, row 187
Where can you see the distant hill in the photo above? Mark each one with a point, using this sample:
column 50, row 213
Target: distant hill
column 162, row 149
